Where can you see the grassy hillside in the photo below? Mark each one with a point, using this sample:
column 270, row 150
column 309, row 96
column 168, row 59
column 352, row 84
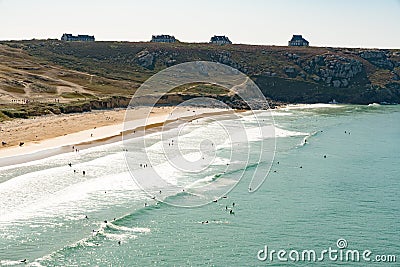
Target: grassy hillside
column 53, row 75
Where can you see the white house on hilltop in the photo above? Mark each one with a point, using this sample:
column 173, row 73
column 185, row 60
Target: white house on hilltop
column 163, row 39
column 79, row 38
column 220, row 40
column 298, row 40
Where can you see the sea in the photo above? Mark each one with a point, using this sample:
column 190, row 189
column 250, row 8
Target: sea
column 330, row 183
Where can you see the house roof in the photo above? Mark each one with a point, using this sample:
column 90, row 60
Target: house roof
column 298, row 38
column 68, row 35
column 85, row 36
column 163, row 36
column 219, row 38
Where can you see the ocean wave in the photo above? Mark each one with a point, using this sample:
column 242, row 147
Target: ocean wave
column 220, row 161
column 280, row 113
column 374, row 105
column 83, row 243
column 19, row 262
column 311, row 106
column 256, row 133
column 64, row 198
column 213, row 221
column 119, row 237
column 279, row 132
column 107, row 230
column 204, row 181
column 10, row 262
column 182, row 195
column 306, row 138
column 128, row 229
column 123, row 232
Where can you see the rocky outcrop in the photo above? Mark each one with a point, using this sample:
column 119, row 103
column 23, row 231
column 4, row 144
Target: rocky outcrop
column 170, row 62
column 106, row 103
column 233, row 101
column 225, row 58
column 290, row 71
column 379, row 58
column 333, row 70
column 145, row 59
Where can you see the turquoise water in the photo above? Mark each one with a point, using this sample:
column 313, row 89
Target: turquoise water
column 307, row 202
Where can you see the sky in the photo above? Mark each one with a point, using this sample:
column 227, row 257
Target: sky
column 336, row 23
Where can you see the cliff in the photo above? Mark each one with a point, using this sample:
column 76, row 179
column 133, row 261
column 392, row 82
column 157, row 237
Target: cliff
column 89, row 73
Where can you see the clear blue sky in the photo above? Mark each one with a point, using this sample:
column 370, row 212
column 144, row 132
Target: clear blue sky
column 343, row 23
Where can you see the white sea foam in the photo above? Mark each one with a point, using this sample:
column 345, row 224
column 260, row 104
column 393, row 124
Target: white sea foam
column 256, row 133
column 119, row 237
column 279, row 132
column 374, row 105
column 220, row 161
column 59, row 199
column 311, row 106
column 281, row 113
column 128, row 229
column 202, row 181
column 124, row 231
column 9, row 262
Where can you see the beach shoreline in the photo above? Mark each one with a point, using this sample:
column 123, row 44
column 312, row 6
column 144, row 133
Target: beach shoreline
column 81, row 134
column 69, row 132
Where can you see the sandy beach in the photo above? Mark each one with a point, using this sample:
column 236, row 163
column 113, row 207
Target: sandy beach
column 49, row 135
column 37, row 129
